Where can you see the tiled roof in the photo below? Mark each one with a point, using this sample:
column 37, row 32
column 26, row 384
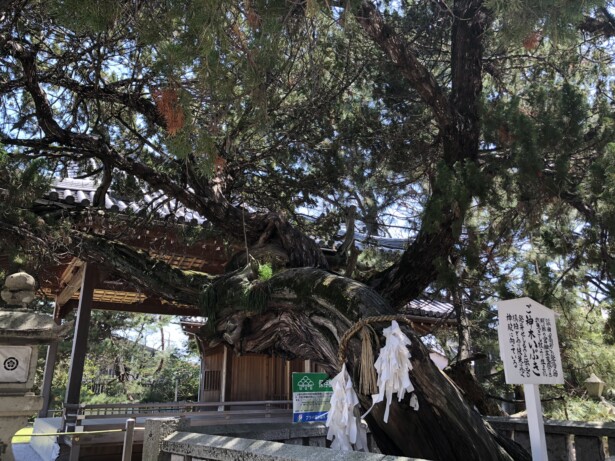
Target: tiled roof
column 385, row 243
column 429, row 308
column 81, row 192
column 362, row 240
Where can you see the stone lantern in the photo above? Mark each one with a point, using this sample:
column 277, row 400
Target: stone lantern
column 19, row 289
column 21, row 331
column 594, row 386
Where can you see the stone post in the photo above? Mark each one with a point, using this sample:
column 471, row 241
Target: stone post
column 156, row 430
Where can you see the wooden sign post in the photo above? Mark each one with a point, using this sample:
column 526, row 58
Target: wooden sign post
column 530, row 351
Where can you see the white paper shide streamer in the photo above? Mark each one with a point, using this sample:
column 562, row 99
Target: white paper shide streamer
column 393, row 367
column 345, row 429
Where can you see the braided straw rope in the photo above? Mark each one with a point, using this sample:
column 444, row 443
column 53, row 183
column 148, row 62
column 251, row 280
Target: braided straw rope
column 367, row 374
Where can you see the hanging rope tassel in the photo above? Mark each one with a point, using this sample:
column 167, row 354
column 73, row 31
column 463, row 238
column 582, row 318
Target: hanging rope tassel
column 393, row 368
column 367, row 373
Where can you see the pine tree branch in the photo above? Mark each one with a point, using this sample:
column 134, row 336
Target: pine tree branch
column 108, row 93
column 406, row 60
column 203, row 196
column 459, row 123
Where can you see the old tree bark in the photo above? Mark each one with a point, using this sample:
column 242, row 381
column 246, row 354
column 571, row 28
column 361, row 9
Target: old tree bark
column 304, row 309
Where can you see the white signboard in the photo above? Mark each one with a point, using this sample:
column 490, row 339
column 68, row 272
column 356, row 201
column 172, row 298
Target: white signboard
column 528, row 343
column 14, row 364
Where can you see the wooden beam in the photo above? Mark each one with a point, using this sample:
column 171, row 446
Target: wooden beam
column 71, row 265
column 72, row 283
column 147, row 307
column 80, row 339
column 57, row 314
column 191, row 328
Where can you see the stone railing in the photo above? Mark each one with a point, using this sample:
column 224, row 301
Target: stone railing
column 169, row 439
column 185, row 446
column 566, row 440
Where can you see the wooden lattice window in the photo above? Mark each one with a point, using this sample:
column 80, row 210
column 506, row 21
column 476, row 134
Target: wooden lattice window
column 211, row 380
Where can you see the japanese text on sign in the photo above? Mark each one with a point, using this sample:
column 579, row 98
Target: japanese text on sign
column 311, row 397
column 528, row 343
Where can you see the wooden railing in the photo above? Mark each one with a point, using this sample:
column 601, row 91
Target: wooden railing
column 169, row 408
column 154, row 408
column 566, row 440
column 204, row 413
column 89, row 418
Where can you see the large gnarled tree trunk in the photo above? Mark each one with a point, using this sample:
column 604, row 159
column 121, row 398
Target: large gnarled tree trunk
column 306, row 313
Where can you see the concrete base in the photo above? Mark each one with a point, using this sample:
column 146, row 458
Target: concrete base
column 14, row 414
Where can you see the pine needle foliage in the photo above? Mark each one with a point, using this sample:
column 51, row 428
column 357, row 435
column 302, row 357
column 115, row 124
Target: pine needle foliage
column 528, row 22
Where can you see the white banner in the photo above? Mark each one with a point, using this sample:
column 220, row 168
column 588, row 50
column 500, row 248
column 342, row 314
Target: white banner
column 14, row 363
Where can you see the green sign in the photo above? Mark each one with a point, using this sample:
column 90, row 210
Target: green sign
column 311, row 382
column 311, row 397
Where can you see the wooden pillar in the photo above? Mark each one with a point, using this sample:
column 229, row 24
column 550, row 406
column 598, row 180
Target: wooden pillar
column 227, row 374
column 201, row 347
column 80, row 338
column 50, row 365
column 269, row 364
column 288, row 384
